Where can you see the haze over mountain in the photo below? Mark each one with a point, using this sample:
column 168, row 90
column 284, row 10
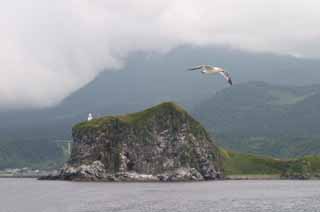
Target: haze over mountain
column 50, row 49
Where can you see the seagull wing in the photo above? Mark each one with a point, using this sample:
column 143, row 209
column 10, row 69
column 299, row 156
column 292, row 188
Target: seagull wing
column 207, row 67
column 196, row 68
column 226, row 75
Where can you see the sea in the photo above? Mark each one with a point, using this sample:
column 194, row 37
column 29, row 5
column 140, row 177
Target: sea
column 31, row 195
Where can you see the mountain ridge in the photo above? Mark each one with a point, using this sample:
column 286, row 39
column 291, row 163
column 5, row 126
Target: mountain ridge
column 260, row 118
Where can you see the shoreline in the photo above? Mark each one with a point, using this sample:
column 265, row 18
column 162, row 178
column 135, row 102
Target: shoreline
column 20, row 177
column 227, row 178
column 256, row 177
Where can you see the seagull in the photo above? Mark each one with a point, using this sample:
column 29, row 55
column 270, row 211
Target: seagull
column 207, row 69
column 90, row 117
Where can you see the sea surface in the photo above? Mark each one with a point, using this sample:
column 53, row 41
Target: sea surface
column 31, row 195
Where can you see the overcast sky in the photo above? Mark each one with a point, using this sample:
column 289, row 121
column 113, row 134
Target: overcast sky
column 50, row 48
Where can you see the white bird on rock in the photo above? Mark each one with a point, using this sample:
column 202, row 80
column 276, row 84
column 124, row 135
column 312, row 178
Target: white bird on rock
column 207, row 69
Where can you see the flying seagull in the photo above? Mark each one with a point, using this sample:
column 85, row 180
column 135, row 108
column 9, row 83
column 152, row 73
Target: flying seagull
column 207, row 69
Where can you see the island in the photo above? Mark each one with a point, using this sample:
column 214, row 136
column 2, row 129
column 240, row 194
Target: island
column 164, row 143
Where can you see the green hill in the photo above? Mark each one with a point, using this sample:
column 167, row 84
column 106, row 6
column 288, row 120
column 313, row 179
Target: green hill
column 251, row 165
column 260, row 118
column 32, row 153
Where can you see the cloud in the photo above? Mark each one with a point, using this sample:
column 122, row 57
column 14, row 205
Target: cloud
column 49, row 49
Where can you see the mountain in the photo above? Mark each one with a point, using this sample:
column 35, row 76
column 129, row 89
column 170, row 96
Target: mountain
column 148, row 79
column 261, row 118
column 162, row 143
column 32, row 153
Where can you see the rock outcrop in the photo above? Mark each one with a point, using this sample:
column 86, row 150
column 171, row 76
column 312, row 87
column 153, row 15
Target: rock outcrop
column 163, row 143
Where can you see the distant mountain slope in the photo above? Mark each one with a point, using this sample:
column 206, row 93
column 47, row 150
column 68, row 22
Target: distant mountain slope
column 281, row 147
column 32, row 153
column 260, row 118
column 261, row 109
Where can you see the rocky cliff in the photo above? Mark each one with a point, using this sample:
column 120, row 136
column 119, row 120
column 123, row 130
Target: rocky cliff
column 162, row 143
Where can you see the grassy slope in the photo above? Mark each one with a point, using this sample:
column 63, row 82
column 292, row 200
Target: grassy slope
column 242, row 164
column 131, row 118
column 245, row 164
column 140, row 118
column 280, row 147
column 258, row 118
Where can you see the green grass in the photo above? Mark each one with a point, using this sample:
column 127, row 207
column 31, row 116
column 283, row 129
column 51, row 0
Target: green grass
column 246, row 164
column 131, row 118
column 140, row 119
column 314, row 162
column 285, row 147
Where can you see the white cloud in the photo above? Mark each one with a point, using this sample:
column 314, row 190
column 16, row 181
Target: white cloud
column 51, row 48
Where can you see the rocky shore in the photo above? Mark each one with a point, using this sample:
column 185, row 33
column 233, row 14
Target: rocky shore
column 97, row 172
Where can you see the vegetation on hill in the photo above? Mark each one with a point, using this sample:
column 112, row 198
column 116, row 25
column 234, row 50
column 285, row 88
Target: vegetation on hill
column 280, row 147
column 32, row 153
column 140, row 118
column 260, row 109
column 259, row 118
column 131, row 118
column 246, row 164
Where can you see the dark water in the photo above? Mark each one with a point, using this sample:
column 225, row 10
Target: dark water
column 30, row 195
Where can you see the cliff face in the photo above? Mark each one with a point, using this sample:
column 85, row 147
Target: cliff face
column 162, row 143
